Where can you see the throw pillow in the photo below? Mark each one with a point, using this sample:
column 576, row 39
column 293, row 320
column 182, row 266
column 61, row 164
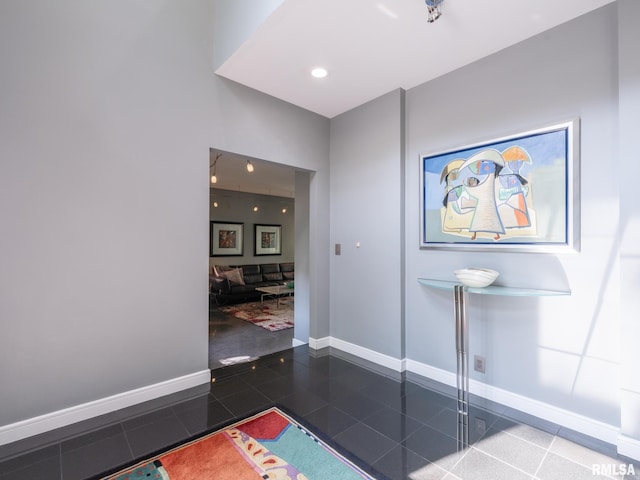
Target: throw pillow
column 234, row 276
column 218, row 270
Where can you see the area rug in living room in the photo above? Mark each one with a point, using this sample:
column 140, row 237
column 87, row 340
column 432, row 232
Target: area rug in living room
column 269, row 445
column 272, row 315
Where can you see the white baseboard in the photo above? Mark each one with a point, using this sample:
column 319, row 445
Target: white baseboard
column 433, row 373
column 629, row 447
column 61, row 418
column 319, row 343
column 395, row 364
column 579, row 423
column 296, row 343
column 361, row 352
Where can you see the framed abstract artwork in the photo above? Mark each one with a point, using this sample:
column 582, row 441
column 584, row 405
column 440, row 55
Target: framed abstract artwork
column 268, row 240
column 226, row 239
column 515, row 193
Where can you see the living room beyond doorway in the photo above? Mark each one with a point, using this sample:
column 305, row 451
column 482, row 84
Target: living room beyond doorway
column 234, row 340
column 251, row 206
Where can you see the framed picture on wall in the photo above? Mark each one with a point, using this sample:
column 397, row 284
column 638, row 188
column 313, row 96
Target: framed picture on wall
column 226, row 239
column 268, row 239
column 515, row 193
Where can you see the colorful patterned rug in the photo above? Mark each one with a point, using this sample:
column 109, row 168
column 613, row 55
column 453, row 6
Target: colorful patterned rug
column 269, row 445
column 270, row 314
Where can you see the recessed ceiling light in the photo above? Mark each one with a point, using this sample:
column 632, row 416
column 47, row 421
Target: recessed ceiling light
column 319, row 72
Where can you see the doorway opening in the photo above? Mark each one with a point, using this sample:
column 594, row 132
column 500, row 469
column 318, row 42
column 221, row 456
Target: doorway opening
column 259, row 209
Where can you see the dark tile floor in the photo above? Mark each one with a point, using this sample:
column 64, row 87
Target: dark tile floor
column 404, row 428
column 230, row 337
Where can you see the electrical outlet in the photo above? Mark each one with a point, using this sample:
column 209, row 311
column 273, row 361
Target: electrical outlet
column 481, row 426
column 479, row 364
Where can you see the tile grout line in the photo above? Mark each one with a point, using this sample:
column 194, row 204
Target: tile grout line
column 533, row 475
column 528, row 441
column 503, row 462
column 60, row 460
column 544, row 457
column 126, row 437
column 574, row 461
column 450, row 471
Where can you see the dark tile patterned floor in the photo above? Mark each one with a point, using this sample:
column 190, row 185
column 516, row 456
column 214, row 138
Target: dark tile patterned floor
column 403, row 428
column 231, row 337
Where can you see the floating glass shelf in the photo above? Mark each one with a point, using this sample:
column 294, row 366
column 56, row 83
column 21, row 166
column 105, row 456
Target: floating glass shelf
column 492, row 289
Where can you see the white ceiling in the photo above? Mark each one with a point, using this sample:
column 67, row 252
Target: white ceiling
column 372, row 47
column 267, row 178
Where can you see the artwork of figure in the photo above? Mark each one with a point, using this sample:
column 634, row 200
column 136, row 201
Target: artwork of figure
column 514, row 189
column 268, row 240
column 227, row 239
column 480, row 182
column 512, row 193
column 487, row 195
column 458, row 205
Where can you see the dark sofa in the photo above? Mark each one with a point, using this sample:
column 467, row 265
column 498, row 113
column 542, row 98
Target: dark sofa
column 238, row 283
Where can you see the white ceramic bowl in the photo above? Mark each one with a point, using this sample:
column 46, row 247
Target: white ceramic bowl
column 476, row 277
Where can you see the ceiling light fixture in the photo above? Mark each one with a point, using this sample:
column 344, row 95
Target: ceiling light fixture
column 319, row 72
column 214, row 179
column 433, row 6
column 249, row 166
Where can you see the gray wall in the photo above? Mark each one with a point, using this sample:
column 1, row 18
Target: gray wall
column 238, row 207
column 105, row 130
column 104, row 199
column 561, row 351
column 259, row 126
column 234, row 21
column 629, row 226
column 108, row 113
column 305, row 305
column 366, row 210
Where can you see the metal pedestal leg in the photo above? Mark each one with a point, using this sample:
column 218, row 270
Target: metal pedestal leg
column 462, row 362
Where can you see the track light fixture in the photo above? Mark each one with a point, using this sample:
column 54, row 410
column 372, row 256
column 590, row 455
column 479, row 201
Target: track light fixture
column 214, row 163
column 433, row 6
column 214, row 179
